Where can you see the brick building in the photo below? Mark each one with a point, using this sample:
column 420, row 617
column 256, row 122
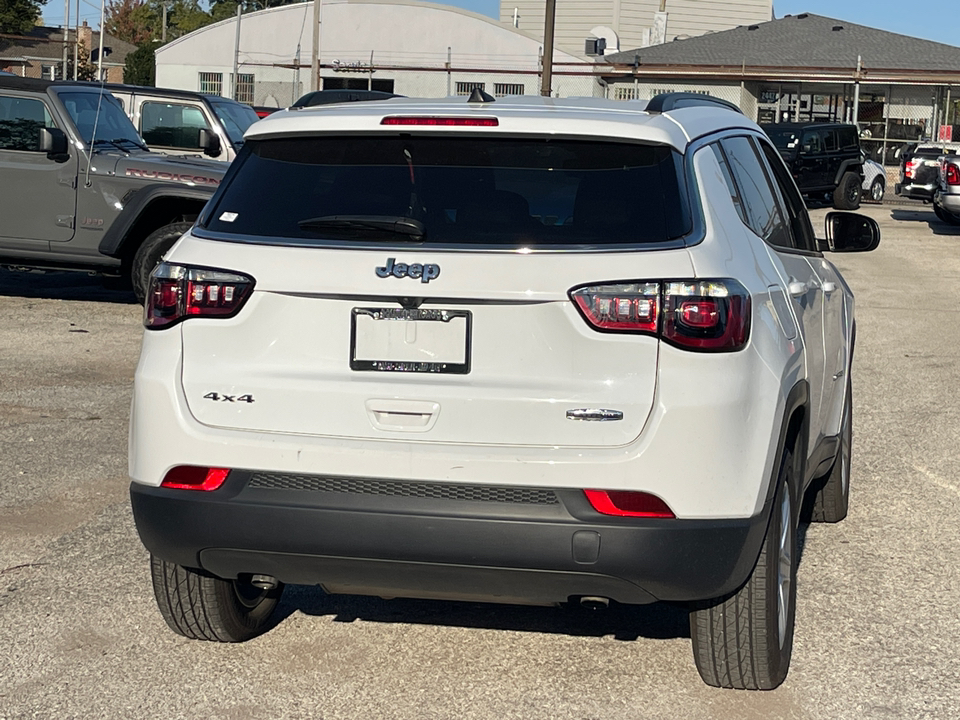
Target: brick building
column 40, row 52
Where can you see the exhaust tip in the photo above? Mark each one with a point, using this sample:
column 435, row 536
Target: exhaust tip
column 264, row 582
column 594, row 603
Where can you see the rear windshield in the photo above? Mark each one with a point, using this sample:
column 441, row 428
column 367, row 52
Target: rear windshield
column 491, row 191
column 784, row 139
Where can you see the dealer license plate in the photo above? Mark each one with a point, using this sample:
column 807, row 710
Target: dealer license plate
column 410, row 340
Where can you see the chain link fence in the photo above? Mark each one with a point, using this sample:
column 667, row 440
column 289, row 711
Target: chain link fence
column 280, row 85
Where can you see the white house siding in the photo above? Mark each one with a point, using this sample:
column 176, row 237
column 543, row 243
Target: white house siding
column 413, row 35
column 697, row 17
column 629, row 18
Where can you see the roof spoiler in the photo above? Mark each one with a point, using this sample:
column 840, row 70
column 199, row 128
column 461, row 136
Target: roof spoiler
column 665, row 102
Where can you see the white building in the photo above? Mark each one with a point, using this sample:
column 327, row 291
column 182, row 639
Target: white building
column 628, row 24
column 403, row 46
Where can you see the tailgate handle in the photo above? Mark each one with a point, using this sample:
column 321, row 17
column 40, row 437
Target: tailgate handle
column 398, row 415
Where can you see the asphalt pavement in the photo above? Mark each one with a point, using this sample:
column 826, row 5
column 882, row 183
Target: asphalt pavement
column 80, row 636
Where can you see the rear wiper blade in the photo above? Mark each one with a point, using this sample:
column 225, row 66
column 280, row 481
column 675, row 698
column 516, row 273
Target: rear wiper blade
column 394, row 224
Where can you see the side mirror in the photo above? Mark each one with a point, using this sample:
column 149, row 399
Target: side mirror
column 209, row 143
column 850, row 232
column 53, row 141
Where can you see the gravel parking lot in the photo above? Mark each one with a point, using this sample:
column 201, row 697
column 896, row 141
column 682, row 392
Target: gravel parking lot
column 80, row 636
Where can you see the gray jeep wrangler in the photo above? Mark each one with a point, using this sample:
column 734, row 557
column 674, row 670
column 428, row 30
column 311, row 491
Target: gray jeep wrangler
column 80, row 191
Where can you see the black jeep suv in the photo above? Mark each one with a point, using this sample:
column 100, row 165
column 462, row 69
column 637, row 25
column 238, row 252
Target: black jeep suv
column 824, row 158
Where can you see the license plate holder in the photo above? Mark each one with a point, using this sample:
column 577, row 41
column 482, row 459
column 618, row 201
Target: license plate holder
column 412, row 340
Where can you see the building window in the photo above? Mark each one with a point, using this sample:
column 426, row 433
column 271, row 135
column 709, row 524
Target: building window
column 211, row 83
column 504, row 89
column 244, row 90
column 48, row 72
column 625, row 93
column 465, row 88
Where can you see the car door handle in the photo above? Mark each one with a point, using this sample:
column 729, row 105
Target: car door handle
column 829, row 287
column 797, row 288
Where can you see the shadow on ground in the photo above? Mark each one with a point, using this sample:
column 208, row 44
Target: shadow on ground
column 64, row 286
column 662, row 621
column 926, row 215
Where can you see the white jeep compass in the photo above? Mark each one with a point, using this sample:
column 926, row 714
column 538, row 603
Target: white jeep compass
column 525, row 351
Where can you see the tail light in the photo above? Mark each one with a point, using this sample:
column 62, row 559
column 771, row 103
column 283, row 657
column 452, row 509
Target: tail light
column 910, row 168
column 627, row 503
column 191, row 477
column 441, row 121
column 702, row 315
column 952, row 174
column 178, row 292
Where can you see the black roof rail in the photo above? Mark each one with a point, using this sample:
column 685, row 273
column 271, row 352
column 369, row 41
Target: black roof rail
column 665, row 102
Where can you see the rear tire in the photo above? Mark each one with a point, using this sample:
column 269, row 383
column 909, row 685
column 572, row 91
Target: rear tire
column 876, row 190
column 846, row 196
column 204, row 607
column 945, row 215
column 150, row 253
column 831, row 499
column 745, row 640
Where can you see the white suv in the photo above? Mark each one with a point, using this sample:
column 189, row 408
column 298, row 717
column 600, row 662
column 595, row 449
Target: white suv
column 527, row 351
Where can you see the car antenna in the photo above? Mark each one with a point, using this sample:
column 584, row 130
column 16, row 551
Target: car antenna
column 96, row 120
column 479, row 96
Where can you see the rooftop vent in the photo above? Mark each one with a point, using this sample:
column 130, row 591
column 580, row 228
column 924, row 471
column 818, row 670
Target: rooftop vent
column 837, row 28
column 753, row 27
column 803, row 16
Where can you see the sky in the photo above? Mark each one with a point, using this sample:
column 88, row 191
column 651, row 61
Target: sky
column 891, row 15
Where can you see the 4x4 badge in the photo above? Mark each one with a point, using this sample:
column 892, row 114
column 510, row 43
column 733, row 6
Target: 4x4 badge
column 425, row 273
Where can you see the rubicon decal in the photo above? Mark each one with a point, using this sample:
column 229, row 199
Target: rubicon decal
column 172, row 177
column 425, row 273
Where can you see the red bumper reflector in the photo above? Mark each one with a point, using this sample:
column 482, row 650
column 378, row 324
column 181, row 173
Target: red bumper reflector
column 191, row 477
column 442, row 121
column 627, row 503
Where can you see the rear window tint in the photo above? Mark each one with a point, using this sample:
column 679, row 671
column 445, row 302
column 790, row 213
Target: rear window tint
column 519, row 192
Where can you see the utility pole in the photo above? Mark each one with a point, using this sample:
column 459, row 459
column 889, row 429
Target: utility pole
column 236, row 56
column 549, row 21
column 315, row 56
column 66, row 36
column 76, row 42
column 163, row 29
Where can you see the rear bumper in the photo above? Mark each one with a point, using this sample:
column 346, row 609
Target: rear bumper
column 352, row 540
column 915, row 191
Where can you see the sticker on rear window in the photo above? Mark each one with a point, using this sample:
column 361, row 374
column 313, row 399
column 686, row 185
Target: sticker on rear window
column 228, row 216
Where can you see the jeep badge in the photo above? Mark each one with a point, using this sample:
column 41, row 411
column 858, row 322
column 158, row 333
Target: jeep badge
column 426, row 273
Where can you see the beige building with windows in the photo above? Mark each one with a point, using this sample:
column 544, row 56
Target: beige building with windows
column 628, row 24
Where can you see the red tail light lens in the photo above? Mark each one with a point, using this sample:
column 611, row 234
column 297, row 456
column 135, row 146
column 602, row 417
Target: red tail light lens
column 442, row 121
column 620, row 308
column 953, row 174
column 708, row 315
column 177, row 292
column 191, row 477
column 909, row 168
column 627, row 503
column 703, row 315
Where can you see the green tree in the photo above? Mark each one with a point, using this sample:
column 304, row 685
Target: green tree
column 135, row 21
column 19, row 16
column 85, row 69
column 141, row 67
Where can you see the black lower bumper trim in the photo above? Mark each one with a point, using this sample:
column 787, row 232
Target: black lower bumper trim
column 433, row 548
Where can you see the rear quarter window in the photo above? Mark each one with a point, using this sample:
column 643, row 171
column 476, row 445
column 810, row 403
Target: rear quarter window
column 512, row 192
